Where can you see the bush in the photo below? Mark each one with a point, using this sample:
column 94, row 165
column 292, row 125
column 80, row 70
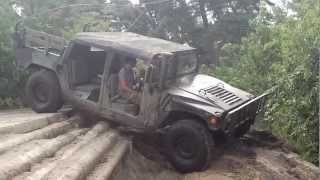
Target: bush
column 11, row 81
column 282, row 53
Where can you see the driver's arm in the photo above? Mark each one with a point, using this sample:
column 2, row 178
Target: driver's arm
column 124, row 85
column 124, row 82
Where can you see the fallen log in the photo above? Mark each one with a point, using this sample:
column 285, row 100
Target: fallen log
column 39, row 173
column 104, row 170
column 20, row 160
column 83, row 161
column 23, row 124
column 45, row 133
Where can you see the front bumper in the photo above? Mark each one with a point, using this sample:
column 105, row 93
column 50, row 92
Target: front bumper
column 245, row 113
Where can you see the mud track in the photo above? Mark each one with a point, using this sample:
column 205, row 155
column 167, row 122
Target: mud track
column 58, row 146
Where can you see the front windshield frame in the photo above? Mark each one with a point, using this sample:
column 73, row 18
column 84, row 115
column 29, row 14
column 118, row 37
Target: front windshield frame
column 172, row 72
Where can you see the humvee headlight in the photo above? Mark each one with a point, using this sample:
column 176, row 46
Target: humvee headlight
column 213, row 120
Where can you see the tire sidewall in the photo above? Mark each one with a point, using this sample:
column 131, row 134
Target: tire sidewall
column 201, row 139
column 49, row 80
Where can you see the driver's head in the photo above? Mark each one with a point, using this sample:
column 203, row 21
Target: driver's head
column 130, row 62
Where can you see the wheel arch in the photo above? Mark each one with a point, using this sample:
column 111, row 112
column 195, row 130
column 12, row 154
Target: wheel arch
column 176, row 115
column 33, row 67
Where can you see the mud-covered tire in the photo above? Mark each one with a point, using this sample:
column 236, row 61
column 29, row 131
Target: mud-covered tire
column 188, row 146
column 43, row 92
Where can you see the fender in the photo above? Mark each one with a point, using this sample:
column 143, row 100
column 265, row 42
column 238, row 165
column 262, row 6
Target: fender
column 30, row 57
column 180, row 108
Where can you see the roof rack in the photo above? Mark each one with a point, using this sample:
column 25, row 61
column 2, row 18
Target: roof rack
column 27, row 37
column 41, row 39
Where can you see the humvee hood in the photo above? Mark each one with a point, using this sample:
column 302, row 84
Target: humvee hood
column 211, row 90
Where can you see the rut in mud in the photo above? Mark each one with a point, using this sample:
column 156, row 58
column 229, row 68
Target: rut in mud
column 54, row 146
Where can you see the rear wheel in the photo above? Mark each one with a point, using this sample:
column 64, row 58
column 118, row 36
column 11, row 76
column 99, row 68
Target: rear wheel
column 43, row 92
column 188, row 146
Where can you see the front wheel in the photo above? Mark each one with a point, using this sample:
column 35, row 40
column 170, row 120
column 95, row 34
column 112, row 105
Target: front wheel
column 188, row 146
column 43, row 92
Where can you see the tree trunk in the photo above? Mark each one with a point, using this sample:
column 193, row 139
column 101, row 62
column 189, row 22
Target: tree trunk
column 203, row 13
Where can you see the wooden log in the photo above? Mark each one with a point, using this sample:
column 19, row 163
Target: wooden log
column 26, row 122
column 21, row 159
column 104, row 170
column 46, row 168
column 47, row 132
column 83, row 161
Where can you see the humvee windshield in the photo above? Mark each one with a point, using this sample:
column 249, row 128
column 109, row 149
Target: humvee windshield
column 184, row 64
column 187, row 63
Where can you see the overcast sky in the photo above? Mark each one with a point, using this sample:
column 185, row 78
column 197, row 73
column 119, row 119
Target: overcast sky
column 135, row 1
column 278, row 2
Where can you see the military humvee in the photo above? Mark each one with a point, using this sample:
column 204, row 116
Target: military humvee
column 189, row 108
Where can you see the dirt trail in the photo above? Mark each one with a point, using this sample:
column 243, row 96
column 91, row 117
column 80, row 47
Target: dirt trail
column 54, row 146
column 257, row 156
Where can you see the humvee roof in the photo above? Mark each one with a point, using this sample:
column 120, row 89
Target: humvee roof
column 133, row 43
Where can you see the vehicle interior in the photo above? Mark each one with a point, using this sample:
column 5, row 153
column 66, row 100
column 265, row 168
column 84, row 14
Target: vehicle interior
column 87, row 67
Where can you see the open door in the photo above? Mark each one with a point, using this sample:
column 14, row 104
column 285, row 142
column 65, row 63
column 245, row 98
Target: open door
column 104, row 98
column 85, row 68
column 150, row 103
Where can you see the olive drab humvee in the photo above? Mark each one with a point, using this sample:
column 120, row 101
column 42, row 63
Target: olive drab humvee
column 186, row 106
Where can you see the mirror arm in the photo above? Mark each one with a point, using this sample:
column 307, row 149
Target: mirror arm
column 163, row 74
column 148, row 75
column 148, row 78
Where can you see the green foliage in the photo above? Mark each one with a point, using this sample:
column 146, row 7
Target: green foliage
column 204, row 24
column 51, row 16
column 93, row 24
column 10, row 80
column 64, row 18
column 282, row 52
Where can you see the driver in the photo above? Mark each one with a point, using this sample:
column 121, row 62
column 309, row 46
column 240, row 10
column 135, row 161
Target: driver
column 127, row 82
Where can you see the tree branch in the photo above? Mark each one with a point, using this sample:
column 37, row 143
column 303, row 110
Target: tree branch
column 203, row 14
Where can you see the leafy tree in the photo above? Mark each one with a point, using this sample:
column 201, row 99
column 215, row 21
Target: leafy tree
column 56, row 17
column 282, row 52
column 9, row 77
column 64, row 18
column 205, row 24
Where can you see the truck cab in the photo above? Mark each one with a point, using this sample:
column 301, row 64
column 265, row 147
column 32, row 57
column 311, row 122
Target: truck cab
column 188, row 108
